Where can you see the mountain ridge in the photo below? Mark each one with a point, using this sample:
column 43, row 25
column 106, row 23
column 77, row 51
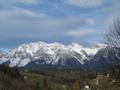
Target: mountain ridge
column 72, row 55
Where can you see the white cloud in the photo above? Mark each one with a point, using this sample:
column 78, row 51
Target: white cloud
column 26, row 1
column 42, row 20
column 27, row 12
column 10, row 3
column 85, row 3
column 24, row 21
column 18, row 13
column 80, row 32
column 19, row 1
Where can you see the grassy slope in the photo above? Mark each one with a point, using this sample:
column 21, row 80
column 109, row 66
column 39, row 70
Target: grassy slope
column 69, row 80
column 11, row 79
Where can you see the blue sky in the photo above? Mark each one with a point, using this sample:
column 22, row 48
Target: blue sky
column 64, row 21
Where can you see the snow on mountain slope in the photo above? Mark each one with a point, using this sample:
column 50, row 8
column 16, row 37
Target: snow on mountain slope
column 3, row 57
column 91, row 51
column 54, row 53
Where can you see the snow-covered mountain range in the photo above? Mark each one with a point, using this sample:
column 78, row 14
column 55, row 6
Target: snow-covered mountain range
column 40, row 53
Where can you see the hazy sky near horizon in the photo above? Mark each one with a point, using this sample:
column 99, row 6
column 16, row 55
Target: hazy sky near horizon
column 64, row 21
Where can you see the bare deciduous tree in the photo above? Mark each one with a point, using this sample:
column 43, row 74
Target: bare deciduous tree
column 112, row 39
column 113, row 36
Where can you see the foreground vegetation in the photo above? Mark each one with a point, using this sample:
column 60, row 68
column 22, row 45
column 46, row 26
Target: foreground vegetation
column 13, row 79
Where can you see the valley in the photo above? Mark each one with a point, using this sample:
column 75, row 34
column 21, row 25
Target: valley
column 58, row 79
